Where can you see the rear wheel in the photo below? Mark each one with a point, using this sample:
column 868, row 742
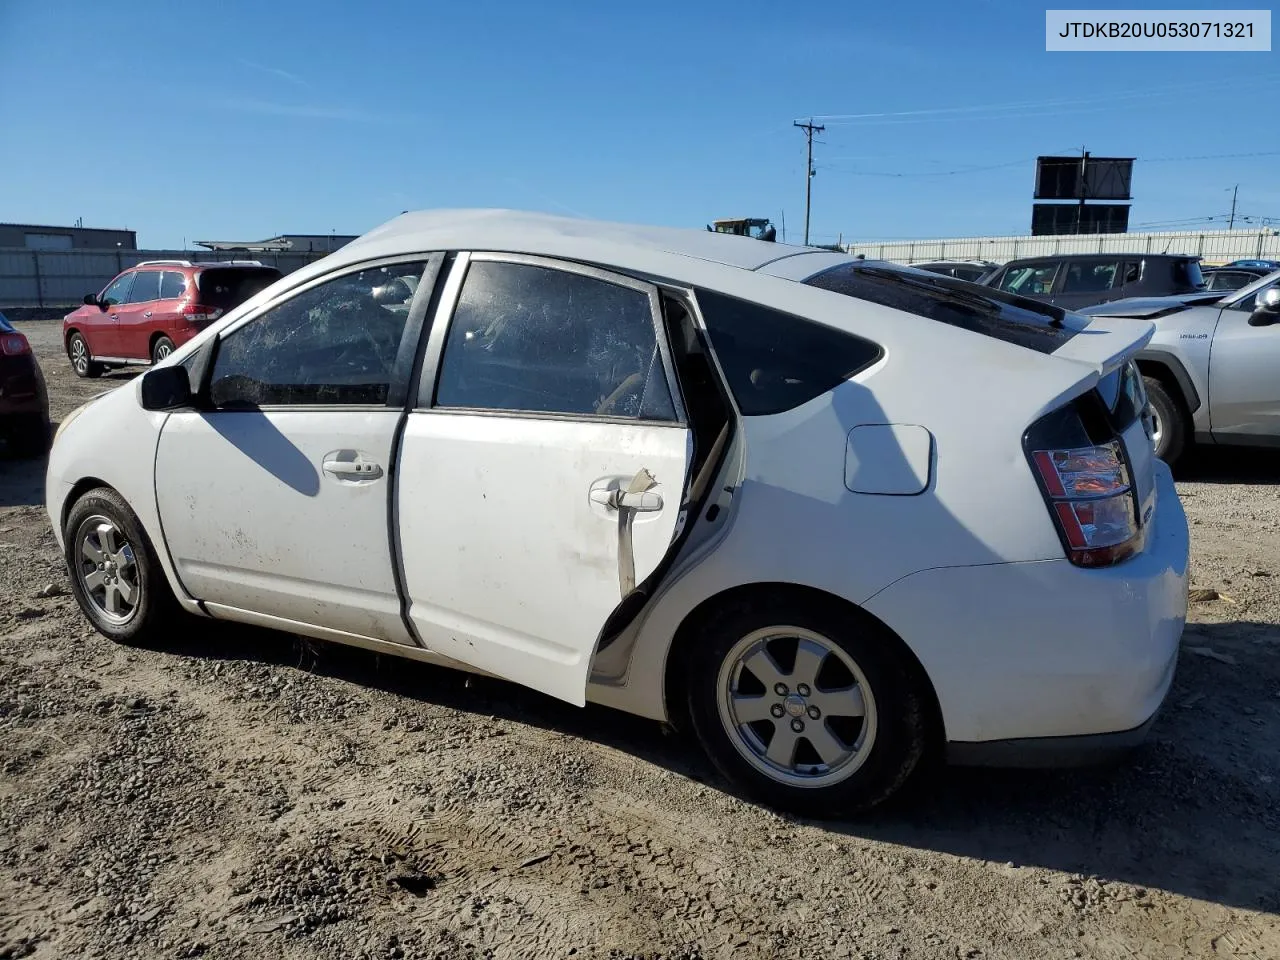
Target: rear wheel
column 1168, row 424
column 805, row 708
column 115, row 575
column 81, row 361
column 161, row 349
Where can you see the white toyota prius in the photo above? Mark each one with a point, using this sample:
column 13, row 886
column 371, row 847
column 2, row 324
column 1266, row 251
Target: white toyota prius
column 827, row 513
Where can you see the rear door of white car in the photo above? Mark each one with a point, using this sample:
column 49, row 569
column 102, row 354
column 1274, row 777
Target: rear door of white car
column 542, row 472
column 275, row 498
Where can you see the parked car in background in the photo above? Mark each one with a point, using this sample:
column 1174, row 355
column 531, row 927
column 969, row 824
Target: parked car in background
column 828, row 514
column 1212, row 370
column 971, row 270
column 150, row 310
column 1267, row 265
column 24, row 401
column 1230, row 278
column 1072, row 281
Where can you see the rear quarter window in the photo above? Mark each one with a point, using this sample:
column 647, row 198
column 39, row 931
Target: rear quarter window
column 775, row 361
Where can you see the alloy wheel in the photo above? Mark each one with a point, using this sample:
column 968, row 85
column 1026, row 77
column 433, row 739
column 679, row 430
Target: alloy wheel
column 796, row 706
column 107, row 569
column 79, row 355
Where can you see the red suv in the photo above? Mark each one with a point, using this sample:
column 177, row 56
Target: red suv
column 150, row 310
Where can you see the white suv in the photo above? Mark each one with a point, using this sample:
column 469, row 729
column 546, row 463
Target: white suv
column 824, row 512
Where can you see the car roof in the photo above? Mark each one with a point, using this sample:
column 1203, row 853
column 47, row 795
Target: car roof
column 517, row 231
column 1058, row 257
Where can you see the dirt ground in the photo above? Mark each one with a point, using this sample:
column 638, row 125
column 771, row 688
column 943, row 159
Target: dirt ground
column 243, row 793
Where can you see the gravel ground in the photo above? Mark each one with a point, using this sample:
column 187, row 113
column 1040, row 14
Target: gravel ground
column 245, row 793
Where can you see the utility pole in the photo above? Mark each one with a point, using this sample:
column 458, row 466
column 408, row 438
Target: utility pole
column 809, row 130
column 1232, row 222
column 1084, row 167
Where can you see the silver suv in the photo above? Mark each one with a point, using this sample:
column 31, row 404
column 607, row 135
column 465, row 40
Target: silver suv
column 1212, row 370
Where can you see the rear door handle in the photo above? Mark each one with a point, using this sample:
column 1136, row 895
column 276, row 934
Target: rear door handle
column 647, row 502
column 147, row 314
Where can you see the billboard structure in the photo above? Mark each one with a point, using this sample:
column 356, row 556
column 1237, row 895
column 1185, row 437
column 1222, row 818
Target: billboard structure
column 1081, row 179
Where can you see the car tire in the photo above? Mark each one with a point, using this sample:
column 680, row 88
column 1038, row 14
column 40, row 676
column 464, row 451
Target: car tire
column 824, row 663
column 29, row 436
column 1169, row 424
column 114, row 573
column 161, row 349
column 82, row 361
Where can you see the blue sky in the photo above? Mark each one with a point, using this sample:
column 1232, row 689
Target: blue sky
column 243, row 120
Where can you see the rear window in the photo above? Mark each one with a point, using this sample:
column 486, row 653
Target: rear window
column 1187, row 275
column 981, row 310
column 228, row 287
column 775, row 361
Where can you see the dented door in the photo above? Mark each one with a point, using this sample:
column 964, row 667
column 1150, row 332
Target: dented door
column 542, row 476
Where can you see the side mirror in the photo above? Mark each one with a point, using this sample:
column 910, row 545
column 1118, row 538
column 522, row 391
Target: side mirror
column 166, row 388
column 1266, row 308
column 90, row 300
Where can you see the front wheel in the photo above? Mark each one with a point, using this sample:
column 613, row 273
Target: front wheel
column 115, row 576
column 81, row 362
column 1168, row 425
column 805, row 708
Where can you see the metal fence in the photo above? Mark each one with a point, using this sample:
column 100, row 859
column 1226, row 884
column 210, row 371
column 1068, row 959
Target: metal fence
column 1215, row 246
column 61, row 278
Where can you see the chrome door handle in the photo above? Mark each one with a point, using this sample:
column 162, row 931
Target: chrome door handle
column 352, row 469
column 147, row 314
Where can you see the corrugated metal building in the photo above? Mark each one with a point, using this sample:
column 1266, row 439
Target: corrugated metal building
column 1215, row 246
column 32, row 236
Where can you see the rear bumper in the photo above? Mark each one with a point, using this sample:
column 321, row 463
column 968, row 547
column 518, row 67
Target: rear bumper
column 1021, row 654
column 1050, row 752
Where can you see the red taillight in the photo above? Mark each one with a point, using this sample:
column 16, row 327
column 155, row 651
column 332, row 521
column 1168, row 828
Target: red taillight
column 1092, row 500
column 200, row 314
column 14, row 345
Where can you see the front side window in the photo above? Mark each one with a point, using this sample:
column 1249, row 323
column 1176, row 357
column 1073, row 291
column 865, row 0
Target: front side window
column 336, row 343
column 146, row 286
column 541, row 340
column 1030, row 280
column 172, row 285
column 1089, row 276
column 118, row 292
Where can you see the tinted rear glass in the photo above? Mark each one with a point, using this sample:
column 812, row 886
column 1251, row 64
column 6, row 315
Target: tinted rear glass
column 970, row 307
column 1186, row 274
column 228, row 287
column 774, row 361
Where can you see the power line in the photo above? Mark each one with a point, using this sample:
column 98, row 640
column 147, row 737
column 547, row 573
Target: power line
column 1021, row 160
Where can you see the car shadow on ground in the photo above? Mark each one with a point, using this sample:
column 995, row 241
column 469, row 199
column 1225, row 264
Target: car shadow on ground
column 21, row 480
column 1162, row 818
column 1249, row 465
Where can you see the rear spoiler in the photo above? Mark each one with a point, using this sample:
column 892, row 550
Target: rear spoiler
column 1102, row 347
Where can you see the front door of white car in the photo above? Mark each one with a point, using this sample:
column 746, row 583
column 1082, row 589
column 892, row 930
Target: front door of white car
column 275, row 501
column 543, row 470
column 1244, row 375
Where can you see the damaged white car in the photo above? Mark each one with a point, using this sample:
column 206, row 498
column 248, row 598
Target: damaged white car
column 826, row 513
